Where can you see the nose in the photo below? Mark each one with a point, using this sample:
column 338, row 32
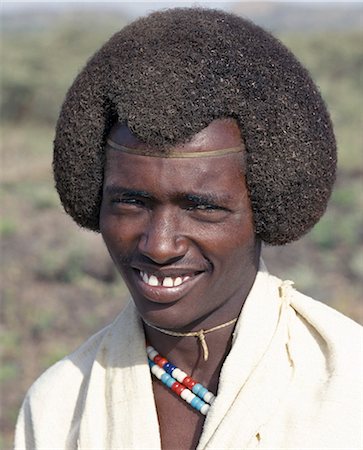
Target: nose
column 162, row 241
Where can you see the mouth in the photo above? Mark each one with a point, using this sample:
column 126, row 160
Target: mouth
column 164, row 281
column 165, row 287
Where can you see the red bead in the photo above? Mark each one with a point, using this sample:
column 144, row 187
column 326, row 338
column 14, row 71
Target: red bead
column 180, row 389
column 189, row 382
column 161, row 362
column 176, row 387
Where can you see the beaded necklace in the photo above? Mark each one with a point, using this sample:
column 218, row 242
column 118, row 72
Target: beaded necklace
column 194, row 393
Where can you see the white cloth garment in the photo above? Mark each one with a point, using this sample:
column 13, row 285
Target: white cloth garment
column 292, row 380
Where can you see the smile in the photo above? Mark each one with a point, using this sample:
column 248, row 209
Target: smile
column 166, row 286
column 164, row 281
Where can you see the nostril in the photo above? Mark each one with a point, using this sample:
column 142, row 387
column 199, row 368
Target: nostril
column 160, row 259
column 163, row 247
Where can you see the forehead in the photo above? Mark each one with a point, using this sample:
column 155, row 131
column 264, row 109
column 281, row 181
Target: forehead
column 163, row 176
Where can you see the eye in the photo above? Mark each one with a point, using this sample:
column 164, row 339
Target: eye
column 127, row 205
column 206, row 212
column 203, row 207
column 127, row 201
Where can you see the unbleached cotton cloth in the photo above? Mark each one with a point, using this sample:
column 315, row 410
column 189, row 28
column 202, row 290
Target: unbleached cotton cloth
column 292, row 380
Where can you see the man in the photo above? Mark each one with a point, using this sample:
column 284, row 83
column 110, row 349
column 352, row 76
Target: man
column 187, row 140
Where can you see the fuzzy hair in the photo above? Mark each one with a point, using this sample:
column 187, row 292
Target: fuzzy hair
column 168, row 76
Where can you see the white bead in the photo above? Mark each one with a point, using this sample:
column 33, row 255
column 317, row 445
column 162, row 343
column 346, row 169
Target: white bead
column 149, row 349
column 190, row 397
column 185, row 394
column 180, row 375
column 154, row 369
column 208, row 397
column 204, row 409
column 176, row 374
column 157, row 371
column 160, row 372
column 152, row 354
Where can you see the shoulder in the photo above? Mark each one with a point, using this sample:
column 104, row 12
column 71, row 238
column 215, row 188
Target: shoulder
column 52, row 411
column 327, row 338
column 319, row 332
column 71, row 369
column 53, row 404
column 331, row 324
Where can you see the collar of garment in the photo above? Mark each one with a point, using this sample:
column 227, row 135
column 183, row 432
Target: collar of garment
column 122, row 373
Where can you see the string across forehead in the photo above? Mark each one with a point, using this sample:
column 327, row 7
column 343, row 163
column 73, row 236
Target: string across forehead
column 173, row 154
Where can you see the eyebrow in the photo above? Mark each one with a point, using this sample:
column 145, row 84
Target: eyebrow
column 197, row 198
column 120, row 190
column 205, row 198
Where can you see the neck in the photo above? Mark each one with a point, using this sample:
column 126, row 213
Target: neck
column 200, row 335
column 187, row 353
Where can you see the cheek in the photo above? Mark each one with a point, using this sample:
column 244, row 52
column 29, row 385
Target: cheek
column 117, row 235
column 234, row 257
column 233, row 239
column 236, row 250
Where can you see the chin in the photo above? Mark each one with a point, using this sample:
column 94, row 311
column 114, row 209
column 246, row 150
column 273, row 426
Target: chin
column 170, row 316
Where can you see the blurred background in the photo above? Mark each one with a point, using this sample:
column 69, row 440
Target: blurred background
column 58, row 285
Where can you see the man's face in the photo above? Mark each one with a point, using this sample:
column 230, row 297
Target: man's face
column 180, row 230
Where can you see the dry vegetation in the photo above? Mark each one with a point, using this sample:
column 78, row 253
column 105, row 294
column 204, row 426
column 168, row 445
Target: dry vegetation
column 58, row 284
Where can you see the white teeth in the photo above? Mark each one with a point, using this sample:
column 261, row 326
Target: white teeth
column 178, row 281
column 168, row 282
column 145, row 278
column 153, row 281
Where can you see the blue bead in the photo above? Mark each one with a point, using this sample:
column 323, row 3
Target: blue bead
column 196, row 388
column 197, row 403
column 170, row 381
column 151, row 363
column 202, row 392
column 164, row 378
column 168, row 367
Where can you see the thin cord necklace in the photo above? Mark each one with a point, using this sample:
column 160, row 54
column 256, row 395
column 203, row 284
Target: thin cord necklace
column 199, row 334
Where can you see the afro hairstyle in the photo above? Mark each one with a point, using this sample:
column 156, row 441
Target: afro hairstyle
column 168, row 76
